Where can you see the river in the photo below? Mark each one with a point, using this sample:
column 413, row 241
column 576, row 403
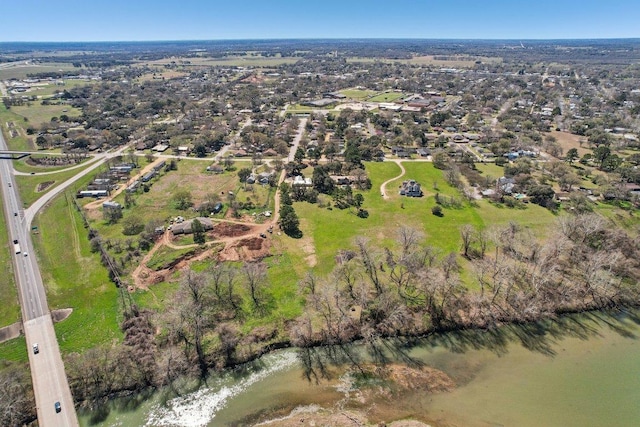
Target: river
column 581, row 371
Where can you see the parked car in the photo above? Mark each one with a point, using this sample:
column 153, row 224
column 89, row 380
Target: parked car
column 58, row 407
column 36, row 349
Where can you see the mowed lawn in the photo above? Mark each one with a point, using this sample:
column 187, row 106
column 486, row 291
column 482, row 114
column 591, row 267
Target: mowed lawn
column 386, row 97
column 358, row 94
column 332, row 230
column 335, row 229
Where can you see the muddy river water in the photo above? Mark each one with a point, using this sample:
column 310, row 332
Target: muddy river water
column 583, row 370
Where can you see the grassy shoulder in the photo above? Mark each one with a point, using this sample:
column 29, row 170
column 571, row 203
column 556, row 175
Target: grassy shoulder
column 10, row 308
column 74, row 278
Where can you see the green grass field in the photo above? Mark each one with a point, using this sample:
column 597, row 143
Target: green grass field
column 165, row 256
column 37, row 114
column 386, row 97
column 358, row 94
column 490, row 169
column 299, row 109
column 75, row 278
column 332, row 230
column 191, row 175
column 10, row 308
column 21, row 141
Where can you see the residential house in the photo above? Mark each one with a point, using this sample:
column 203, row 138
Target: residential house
column 185, row 227
column 410, row 188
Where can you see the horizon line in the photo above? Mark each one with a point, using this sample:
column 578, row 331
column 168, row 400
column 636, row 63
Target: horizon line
column 325, row 38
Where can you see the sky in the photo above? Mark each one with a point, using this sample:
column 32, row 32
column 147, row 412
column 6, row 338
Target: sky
column 145, row 20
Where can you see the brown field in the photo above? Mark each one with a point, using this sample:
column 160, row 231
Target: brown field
column 568, row 140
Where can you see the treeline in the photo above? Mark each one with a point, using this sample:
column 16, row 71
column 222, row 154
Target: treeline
column 409, row 289
column 416, row 289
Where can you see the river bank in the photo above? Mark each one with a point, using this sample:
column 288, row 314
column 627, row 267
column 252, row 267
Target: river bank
column 578, row 370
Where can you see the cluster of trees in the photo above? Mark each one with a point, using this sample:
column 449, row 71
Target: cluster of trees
column 415, row 288
column 199, row 331
column 289, row 222
column 16, row 394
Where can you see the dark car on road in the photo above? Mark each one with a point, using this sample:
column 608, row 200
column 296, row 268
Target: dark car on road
column 58, row 407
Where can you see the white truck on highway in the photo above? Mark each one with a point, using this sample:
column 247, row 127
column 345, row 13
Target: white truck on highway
column 16, row 247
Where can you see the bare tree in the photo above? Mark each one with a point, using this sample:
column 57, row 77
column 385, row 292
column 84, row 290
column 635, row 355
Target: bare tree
column 229, row 338
column 409, row 238
column 16, row 396
column 189, row 318
column 467, row 233
column 255, row 275
column 370, row 264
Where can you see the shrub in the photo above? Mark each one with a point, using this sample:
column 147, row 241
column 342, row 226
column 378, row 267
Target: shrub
column 363, row 213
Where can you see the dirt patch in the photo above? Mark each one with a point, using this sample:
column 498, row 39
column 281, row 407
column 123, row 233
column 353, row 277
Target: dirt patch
column 94, row 214
column 230, row 229
column 44, row 185
column 314, row 415
column 309, row 248
column 425, row 378
column 249, row 249
column 61, row 314
column 148, row 277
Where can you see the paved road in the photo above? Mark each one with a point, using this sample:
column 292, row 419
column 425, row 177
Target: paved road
column 30, row 212
column 296, row 139
column 50, row 383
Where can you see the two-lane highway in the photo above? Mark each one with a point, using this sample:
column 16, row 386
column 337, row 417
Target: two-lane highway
column 50, row 384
